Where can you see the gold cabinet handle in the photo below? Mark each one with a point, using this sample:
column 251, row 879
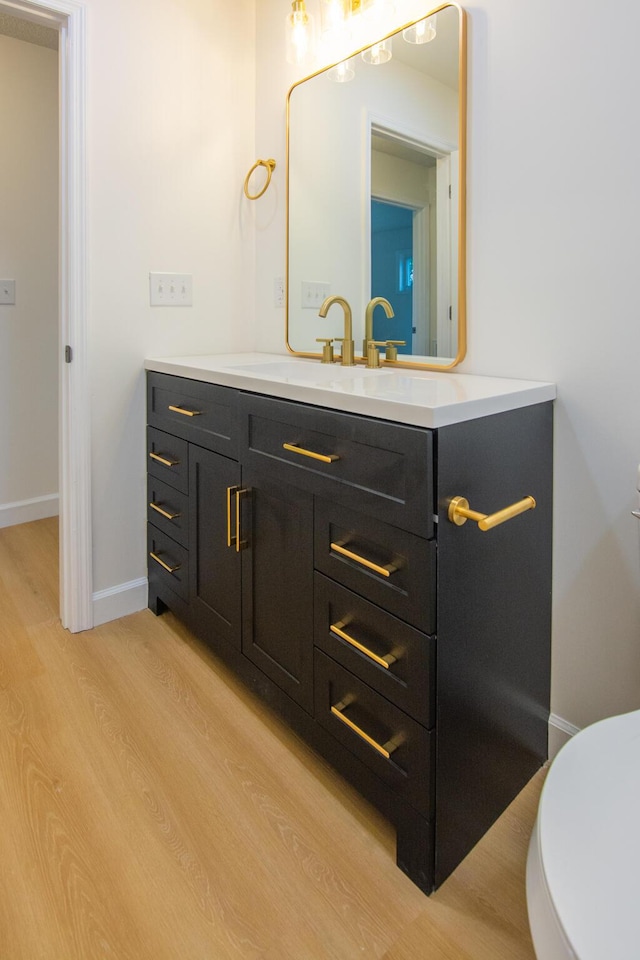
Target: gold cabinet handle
column 166, row 566
column 385, row 571
column 385, row 750
column 164, row 460
column 239, row 542
column 164, row 513
column 185, row 413
column 294, row 448
column 386, row 661
column 459, row 512
column 230, row 537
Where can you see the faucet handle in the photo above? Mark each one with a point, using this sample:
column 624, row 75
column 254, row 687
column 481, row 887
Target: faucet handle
column 373, row 354
column 327, row 350
column 391, row 353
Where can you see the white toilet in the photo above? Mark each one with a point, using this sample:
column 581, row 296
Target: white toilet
column 583, row 868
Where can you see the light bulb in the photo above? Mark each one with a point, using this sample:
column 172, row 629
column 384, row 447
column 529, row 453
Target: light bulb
column 299, row 29
column 421, row 32
column 342, row 72
column 378, row 53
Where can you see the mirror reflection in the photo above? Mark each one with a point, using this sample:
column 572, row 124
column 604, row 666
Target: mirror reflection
column 376, row 195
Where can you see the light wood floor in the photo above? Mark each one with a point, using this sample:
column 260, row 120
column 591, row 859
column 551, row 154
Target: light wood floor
column 152, row 809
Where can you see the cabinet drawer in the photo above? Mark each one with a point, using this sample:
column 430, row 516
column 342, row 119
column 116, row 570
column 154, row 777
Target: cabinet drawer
column 389, row 655
column 168, row 562
column 168, row 459
column 394, row 746
column 203, row 413
column 382, row 468
column 391, row 567
column 168, row 510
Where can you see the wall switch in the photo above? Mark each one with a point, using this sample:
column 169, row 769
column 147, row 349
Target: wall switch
column 278, row 292
column 171, row 289
column 7, row 292
column 314, row 292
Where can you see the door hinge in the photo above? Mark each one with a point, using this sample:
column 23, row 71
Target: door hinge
column 449, row 191
column 450, row 313
column 68, row 354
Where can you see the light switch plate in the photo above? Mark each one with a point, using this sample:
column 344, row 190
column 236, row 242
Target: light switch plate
column 314, row 293
column 7, row 292
column 171, row 289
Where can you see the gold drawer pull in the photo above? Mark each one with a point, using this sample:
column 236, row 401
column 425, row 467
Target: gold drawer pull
column 164, row 513
column 294, row 448
column 230, row 538
column 385, row 571
column 385, row 662
column 185, row 413
column 385, row 750
column 459, row 512
column 163, row 460
column 166, row 566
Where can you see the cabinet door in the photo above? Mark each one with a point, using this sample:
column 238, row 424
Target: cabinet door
column 277, row 584
column 215, row 567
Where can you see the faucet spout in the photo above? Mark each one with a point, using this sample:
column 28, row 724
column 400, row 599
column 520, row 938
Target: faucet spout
column 347, row 340
column 368, row 319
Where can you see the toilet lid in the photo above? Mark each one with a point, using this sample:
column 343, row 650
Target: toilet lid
column 589, row 826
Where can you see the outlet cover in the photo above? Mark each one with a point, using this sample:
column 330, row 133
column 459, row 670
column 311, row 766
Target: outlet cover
column 7, row 292
column 171, row 289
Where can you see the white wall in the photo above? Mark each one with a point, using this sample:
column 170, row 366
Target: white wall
column 553, row 223
column 29, row 255
column 170, row 139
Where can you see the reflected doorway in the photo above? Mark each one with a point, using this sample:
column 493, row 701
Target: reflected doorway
column 392, row 266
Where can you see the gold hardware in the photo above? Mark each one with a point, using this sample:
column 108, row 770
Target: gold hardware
column 337, row 629
column 270, row 166
column 327, row 350
column 165, row 513
column 185, row 413
column 239, row 542
column 368, row 321
column 391, row 353
column 230, row 538
column 459, row 512
column 385, row 571
column 348, row 349
column 163, row 460
column 385, row 750
column 294, row 448
column 166, row 566
column 373, row 354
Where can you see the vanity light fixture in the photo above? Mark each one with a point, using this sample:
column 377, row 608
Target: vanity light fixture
column 299, row 33
column 421, row 32
column 342, row 72
column 378, row 53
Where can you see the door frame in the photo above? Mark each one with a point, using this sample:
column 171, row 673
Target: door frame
column 76, row 576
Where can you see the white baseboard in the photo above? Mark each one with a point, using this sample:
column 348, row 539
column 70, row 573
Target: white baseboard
column 560, row 732
column 24, row 511
column 120, row 601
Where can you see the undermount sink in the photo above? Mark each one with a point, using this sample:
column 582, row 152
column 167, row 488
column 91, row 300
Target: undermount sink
column 306, row 370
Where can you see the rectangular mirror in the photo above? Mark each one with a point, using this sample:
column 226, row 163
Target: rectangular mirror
column 376, row 193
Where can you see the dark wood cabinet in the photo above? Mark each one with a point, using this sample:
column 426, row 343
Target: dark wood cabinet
column 314, row 552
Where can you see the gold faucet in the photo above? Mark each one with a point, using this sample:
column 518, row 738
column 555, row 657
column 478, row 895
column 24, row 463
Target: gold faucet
column 368, row 320
column 347, row 341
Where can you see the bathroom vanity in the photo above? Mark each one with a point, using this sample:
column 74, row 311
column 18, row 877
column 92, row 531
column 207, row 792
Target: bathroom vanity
column 301, row 524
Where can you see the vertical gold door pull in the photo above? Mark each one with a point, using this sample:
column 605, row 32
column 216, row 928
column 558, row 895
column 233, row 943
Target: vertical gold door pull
column 230, row 537
column 384, row 751
column 459, row 512
column 338, row 630
column 239, row 542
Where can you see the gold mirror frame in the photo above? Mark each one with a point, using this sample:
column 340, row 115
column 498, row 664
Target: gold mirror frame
column 462, row 195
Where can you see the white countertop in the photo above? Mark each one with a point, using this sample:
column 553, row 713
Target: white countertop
column 423, row 398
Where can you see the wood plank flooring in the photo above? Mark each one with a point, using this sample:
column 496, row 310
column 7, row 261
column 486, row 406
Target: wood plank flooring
column 151, row 808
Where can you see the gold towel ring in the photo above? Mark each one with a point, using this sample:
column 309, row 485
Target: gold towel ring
column 270, row 165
